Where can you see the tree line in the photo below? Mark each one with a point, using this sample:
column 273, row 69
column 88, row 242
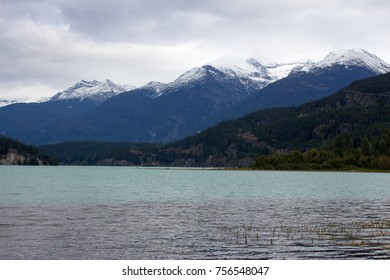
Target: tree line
column 344, row 152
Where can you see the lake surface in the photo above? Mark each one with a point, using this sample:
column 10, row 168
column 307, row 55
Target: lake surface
column 134, row 213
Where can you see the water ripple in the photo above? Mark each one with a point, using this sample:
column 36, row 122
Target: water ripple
column 252, row 229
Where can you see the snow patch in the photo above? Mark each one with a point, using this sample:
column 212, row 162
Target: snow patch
column 194, row 74
column 280, row 71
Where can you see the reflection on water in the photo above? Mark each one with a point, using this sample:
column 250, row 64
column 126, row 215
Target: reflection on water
column 207, row 229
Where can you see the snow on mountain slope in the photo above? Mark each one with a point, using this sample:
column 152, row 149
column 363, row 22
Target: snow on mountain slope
column 4, row 102
column 254, row 69
column 348, row 58
column 91, row 90
column 241, row 67
column 156, row 88
column 249, row 73
column 280, row 71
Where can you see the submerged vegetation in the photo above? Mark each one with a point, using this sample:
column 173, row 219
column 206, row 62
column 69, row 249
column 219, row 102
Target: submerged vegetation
column 370, row 234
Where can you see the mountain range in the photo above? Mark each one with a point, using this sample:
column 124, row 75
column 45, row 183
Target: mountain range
column 349, row 129
column 201, row 97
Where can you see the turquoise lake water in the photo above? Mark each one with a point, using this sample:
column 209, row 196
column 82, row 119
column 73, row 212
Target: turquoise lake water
column 135, row 213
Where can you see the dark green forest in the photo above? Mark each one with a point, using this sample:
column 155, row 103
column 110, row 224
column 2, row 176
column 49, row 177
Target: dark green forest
column 344, row 152
column 102, row 153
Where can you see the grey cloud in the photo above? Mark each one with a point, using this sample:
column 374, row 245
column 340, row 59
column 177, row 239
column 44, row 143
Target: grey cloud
column 244, row 24
column 56, row 42
column 213, row 21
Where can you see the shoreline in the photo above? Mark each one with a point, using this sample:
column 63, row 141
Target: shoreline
column 314, row 170
column 214, row 168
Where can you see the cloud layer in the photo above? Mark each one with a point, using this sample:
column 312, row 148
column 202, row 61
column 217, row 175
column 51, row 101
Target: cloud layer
column 47, row 45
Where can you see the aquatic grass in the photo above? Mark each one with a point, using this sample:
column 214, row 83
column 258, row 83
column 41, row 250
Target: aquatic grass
column 371, row 233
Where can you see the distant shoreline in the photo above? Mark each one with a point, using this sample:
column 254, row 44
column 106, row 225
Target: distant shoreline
column 314, row 170
column 222, row 168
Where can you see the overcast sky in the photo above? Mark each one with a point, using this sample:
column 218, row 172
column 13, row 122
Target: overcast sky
column 48, row 45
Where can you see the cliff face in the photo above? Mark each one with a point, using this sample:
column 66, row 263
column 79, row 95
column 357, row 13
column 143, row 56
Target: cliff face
column 13, row 157
column 15, row 153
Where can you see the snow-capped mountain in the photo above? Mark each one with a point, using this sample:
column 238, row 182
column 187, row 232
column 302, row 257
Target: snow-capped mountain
column 348, row 58
column 313, row 80
column 243, row 75
column 219, row 83
column 95, row 91
column 249, row 72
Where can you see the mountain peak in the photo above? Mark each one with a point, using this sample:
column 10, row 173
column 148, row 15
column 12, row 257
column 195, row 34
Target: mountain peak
column 251, row 74
column 347, row 54
column 348, row 58
column 155, row 87
column 91, row 90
